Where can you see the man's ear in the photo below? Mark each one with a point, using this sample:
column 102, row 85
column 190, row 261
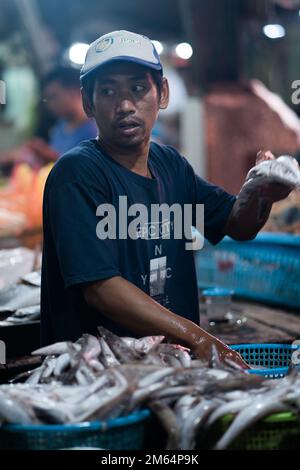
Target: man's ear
column 165, row 92
column 86, row 102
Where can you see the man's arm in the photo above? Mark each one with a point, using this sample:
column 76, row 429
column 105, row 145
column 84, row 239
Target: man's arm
column 252, row 208
column 129, row 306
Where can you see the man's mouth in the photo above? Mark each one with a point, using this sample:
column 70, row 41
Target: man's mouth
column 129, row 127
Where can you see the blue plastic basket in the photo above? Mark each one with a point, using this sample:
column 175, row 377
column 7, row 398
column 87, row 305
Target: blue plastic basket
column 125, row 433
column 265, row 269
column 274, row 358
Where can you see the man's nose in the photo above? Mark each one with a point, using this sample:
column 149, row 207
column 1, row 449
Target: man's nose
column 125, row 103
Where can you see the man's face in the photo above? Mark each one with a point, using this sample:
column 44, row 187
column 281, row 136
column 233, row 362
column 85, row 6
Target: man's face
column 125, row 104
column 61, row 100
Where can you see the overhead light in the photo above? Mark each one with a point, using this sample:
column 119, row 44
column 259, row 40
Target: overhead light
column 274, row 31
column 158, row 46
column 77, row 52
column 184, row 50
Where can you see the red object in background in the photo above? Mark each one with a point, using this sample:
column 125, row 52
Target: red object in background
column 239, row 124
column 225, row 265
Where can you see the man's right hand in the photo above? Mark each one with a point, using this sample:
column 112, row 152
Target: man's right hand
column 204, row 349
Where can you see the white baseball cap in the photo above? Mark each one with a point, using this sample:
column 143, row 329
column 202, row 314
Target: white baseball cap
column 120, row 45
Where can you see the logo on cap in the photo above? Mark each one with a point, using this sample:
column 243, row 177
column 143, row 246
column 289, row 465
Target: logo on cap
column 104, row 44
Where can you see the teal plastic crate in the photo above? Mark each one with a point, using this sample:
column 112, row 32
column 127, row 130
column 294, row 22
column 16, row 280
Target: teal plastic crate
column 266, row 269
column 274, row 358
column 125, row 433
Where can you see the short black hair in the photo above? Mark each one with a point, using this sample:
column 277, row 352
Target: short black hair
column 68, row 77
column 88, row 83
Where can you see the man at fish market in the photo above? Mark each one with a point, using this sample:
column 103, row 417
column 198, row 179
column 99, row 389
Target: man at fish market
column 143, row 285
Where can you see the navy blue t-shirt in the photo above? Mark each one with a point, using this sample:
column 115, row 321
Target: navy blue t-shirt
column 73, row 254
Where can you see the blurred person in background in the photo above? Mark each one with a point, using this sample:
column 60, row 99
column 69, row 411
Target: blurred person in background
column 61, row 94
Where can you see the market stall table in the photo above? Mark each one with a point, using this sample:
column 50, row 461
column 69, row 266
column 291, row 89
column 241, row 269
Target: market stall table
column 265, row 324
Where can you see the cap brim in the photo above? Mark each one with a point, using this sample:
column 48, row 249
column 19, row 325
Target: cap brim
column 150, row 65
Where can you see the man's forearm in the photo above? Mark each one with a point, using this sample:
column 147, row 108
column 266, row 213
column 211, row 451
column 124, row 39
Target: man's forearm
column 127, row 305
column 130, row 307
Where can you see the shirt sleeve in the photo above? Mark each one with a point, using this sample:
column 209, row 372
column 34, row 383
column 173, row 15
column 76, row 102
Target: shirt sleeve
column 82, row 256
column 217, row 204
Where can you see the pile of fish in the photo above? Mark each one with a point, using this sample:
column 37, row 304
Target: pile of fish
column 20, row 301
column 97, row 378
column 16, row 263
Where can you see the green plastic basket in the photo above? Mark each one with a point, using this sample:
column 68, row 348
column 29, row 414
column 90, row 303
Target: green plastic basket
column 280, row 431
column 126, row 433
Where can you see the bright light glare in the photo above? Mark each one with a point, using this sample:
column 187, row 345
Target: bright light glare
column 77, row 52
column 184, row 50
column 158, row 46
column 274, row 31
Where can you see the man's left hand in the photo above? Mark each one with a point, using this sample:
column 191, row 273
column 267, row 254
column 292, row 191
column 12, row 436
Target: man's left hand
column 254, row 202
column 272, row 190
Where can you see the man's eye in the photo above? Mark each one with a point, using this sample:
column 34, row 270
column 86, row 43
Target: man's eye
column 138, row 88
column 107, row 91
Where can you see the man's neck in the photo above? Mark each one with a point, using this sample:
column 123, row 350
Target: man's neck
column 134, row 159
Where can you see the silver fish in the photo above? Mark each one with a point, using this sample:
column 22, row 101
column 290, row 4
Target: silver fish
column 167, row 392
column 12, row 411
column 257, row 409
column 107, row 356
column 122, row 352
column 48, row 367
column 52, row 413
column 55, row 349
column 34, row 378
column 18, row 296
column 81, row 378
column 33, row 278
column 156, row 376
column 143, row 345
column 195, row 418
column 96, row 365
column 62, row 362
column 25, row 315
column 98, row 406
column 183, row 406
column 229, row 408
column 91, row 347
column 168, row 421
